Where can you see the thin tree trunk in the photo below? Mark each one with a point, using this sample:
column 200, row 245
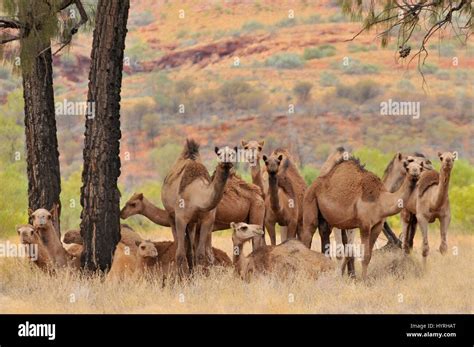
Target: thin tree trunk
column 44, row 180
column 100, row 197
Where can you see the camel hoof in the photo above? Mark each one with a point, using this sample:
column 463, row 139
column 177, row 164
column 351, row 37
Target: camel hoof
column 443, row 248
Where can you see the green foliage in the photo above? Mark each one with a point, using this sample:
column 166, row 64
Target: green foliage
column 429, row 68
column 355, row 67
column 252, row 25
column 4, row 73
column 14, row 202
column 355, row 48
column 314, row 19
column 374, row 160
column 239, row 94
column 286, row 23
column 71, row 201
column 285, row 61
column 319, row 52
column 163, row 157
column 360, row 92
column 328, row 79
column 461, row 200
column 309, row 173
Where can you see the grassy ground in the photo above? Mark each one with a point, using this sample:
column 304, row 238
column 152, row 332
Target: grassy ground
column 396, row 285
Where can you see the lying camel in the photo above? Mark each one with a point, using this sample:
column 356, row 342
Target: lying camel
column 42, row 222
column 190, row 198
column 284, row 201
column 283, row 260
column 30, row 237
column 350, row 197
column 127, row 235
column 430, row 201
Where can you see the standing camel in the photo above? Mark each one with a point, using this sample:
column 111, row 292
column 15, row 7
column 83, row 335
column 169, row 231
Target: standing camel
column 430, row 201
column 253, row 151
column 190, row 198
column 284, row 201
column 350, row 197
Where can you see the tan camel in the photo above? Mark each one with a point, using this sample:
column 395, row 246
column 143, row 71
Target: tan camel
column 127, row 236
column 138, row 204
column 430, row 201
column 42, row 221
column 39, row 255
column 190, row 197
column 392, row 179
column 253, row 151
column 286, row 259
column 284, row 201
column 350, row 197
column 147, row 258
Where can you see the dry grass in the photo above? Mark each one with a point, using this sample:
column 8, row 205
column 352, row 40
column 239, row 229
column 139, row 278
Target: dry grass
column 445, row 287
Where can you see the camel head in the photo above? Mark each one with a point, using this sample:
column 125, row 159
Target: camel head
column 42, row 218
column 133, row 206
column 253, row 150
column 72, row 236
column 447, row 160
column 244, row 232
column 413, row 169
column 27, row 234
column 226, row 156
column 146, row 249
column 273, row 163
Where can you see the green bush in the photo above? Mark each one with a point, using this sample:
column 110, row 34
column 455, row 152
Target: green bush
column 14, row 205
column 355, row 67
column 252, row 26
column 286, row 23
column 461, row 200
column 359, row 92
column 285, row 61
column 328, row 79
column 429, row 68
column 302, row 90
column 319, row 52
column 309, row 173
column 354, row 48
column 314, row 19
column 239, row 94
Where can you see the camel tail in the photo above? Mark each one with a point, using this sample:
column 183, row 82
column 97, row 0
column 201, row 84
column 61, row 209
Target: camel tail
column 310, row 216
column 191, row 149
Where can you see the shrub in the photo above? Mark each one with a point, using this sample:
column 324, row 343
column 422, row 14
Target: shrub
column 240, row 95
column 302, row 91
column 309, row 173
column 355, row 67
column 285, row 61
column 328, row 79
column 142, row 19
column 314, row 19
column 319, row 52
column 354, row 48
column 252, row 26
column 359, row 92
column 286, row 23
column 429, row 68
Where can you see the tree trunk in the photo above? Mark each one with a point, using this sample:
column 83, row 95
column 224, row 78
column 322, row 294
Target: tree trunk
column 44, row 180
column 100, row 197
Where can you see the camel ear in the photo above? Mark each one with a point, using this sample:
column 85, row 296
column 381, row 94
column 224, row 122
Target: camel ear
column 399, row 156
column 140, row 196
column 30, row 212
column 54, row 210
column 138, row 243
column 244, row 143
column 261, row 143
column 232, row 225
column 280, row 157
column 265, row 159
column 405, row 164
column 17, row 230
column 439, row 154
column 216, row 149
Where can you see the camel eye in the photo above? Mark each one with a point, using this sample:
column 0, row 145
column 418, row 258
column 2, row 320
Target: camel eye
column 246, row 148
column 244, row 228
column 49, row 217
column 142, row 247
column 259, row 148
column 132, row 205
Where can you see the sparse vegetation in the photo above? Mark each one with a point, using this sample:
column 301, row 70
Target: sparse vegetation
column 319, row 52
column 285, row 61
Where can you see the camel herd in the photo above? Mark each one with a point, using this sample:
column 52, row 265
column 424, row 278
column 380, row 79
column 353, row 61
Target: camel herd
column 345, row 196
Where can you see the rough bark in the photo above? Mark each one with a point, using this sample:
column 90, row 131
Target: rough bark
column 42, row 156
column 100, row 197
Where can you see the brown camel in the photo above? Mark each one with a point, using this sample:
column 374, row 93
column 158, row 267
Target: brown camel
column 42, row 221
column 284, row 201
column 253, row 151
column 138, row 204
column 127, row 236
column 430, row 201
column 392, row 179
column 283, row 260
column 39, row 255
column 350, row 197
column 190, row 197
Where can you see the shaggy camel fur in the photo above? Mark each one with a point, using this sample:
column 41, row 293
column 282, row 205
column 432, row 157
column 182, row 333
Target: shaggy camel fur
column 430, row 201
column 283, row 260
column 284, row 201
column 392, row 179
column 42, row 221
column 30, row 237
column 190, row 197
column 350, row 197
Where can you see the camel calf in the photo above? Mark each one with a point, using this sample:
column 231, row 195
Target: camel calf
column 30, row 238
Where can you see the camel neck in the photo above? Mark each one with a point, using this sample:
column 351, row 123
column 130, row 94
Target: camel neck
column 154, row 213
column 273, row 192
column 442, row 189
column 239, row 260
column 146, row 262
column 217, row 187
column 393, row 203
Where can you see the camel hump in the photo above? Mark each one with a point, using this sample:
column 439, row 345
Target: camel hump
column 192, row 171
column 371, row 187
column 427, row 179
column 191, row 149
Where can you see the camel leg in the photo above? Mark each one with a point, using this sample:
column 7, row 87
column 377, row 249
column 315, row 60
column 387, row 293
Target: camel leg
column 347, row 259
column 284, row 233
column 412, row 230
column 424, row 230
column 180, row 257
column 271, row 232
column 444, row 224
column 324, row 234
column 367, row 254
column 206, row 228
column 257, row 216
column 189, row 245
column 291, row 231
column 405, row 219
